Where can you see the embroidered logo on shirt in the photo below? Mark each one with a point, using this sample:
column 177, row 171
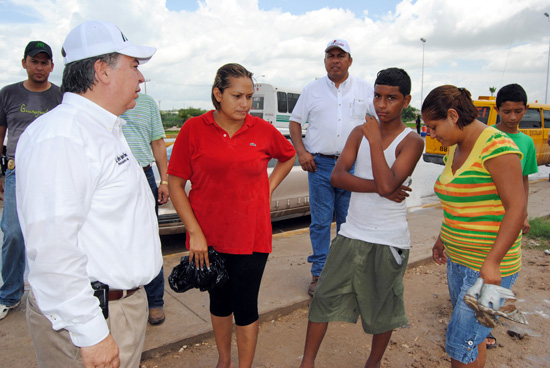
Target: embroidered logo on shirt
column 253, row 144
column 122, row 158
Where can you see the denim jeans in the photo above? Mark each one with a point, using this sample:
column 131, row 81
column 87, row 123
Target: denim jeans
column 13, row 247
column 464, row 332
column 155, row 289
column 326, row 203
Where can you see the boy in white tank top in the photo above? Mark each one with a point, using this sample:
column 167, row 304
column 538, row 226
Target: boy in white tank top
column 363, row 274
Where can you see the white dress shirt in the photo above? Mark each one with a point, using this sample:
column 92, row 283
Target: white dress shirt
column 332, row 113
column 86, row 212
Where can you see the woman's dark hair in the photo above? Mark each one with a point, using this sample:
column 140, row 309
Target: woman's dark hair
column 395, row 77
column 223, row 74
column 438, row 102
column 79, row 76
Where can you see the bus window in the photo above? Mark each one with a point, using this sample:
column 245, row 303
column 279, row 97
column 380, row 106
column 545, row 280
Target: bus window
column 292, row 99
column 282, row 105
column 258, row 114
column 257, row 103
column 483, row 114
column 531, row 120
column 546, row 114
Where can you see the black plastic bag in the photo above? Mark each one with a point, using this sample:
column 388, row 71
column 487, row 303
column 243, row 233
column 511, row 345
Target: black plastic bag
column 186, row 276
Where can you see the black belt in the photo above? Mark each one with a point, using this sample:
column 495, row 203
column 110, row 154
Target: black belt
column 335, row 157
column 145, row 168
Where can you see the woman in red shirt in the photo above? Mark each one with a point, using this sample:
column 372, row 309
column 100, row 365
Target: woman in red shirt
column 224, row 154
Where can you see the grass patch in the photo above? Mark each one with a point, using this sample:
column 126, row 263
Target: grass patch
column 539, row 235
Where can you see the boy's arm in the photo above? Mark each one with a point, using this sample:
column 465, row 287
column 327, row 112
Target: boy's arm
column 341, row 176
column 526, row 226
column 408, row 152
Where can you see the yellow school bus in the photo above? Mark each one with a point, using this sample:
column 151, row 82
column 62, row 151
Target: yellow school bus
column 535, row 123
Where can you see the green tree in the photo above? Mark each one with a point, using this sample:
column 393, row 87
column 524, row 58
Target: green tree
column 190, row 112
column 409, row 113
column 170, row 119
column 177, row 119
column 492, row 90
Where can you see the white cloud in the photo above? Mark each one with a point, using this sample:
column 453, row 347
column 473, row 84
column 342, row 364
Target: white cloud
column 472, row 43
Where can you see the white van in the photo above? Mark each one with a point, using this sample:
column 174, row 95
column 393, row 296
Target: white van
column 274, row 104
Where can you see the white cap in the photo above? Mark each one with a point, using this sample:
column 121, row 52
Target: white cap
column 94, row 38
column 341, row 44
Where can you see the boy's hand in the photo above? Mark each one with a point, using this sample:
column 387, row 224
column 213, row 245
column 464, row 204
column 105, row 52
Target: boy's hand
column 400, row 194
column 371, row 129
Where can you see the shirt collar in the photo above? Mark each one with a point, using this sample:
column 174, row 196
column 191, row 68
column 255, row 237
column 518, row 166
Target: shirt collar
column 209, row 119
column 343, row 84
column 102, row 116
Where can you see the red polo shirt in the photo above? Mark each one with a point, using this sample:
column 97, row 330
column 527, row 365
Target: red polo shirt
column 229, row 183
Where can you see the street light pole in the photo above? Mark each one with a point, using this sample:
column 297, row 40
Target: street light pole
column 145, row 84
column 547, row 64
column 422, row 85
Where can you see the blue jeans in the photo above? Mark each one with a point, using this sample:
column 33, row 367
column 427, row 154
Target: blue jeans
column 155, row 289
column 464, row 332
column 13, row 247
column 326, row 203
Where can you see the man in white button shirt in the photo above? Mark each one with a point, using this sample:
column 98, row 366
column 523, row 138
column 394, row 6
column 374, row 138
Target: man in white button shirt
column 332, row 106
column 86, row 210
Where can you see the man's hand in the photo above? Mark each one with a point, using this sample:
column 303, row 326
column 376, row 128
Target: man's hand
column 102, row 354
column 306, row 161
column 400, row 194
column 164, row 194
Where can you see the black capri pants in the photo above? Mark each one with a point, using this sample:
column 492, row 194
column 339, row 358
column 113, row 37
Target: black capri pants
column 239, row 295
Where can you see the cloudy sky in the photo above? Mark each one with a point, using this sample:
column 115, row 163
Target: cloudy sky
column 470, row 43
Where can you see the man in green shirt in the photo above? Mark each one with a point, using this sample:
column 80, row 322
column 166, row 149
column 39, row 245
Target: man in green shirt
column 145, row 136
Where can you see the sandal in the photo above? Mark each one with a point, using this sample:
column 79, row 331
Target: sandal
column 491, row 345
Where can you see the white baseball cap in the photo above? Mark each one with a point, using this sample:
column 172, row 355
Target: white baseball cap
column 94, row 38
column 341, row 44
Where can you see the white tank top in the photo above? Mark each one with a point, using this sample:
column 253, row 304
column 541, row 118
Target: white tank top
column 372, row 218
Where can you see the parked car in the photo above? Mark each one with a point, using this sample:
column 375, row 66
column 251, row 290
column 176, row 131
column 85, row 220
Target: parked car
column 289, row 200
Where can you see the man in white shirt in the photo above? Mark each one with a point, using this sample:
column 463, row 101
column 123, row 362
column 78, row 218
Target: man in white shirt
column 332, row 106
column 86, row 210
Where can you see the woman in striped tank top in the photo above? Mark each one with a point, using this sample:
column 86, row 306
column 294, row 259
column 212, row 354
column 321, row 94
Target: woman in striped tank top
column 483, row 211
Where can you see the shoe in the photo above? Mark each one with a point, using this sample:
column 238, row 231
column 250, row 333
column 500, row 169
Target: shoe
column 156, row 316
column 4, row 309
column 491, row 345
column 547, row 252
column 312, row 286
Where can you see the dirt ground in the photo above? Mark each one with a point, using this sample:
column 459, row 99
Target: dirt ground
column 420, row 344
